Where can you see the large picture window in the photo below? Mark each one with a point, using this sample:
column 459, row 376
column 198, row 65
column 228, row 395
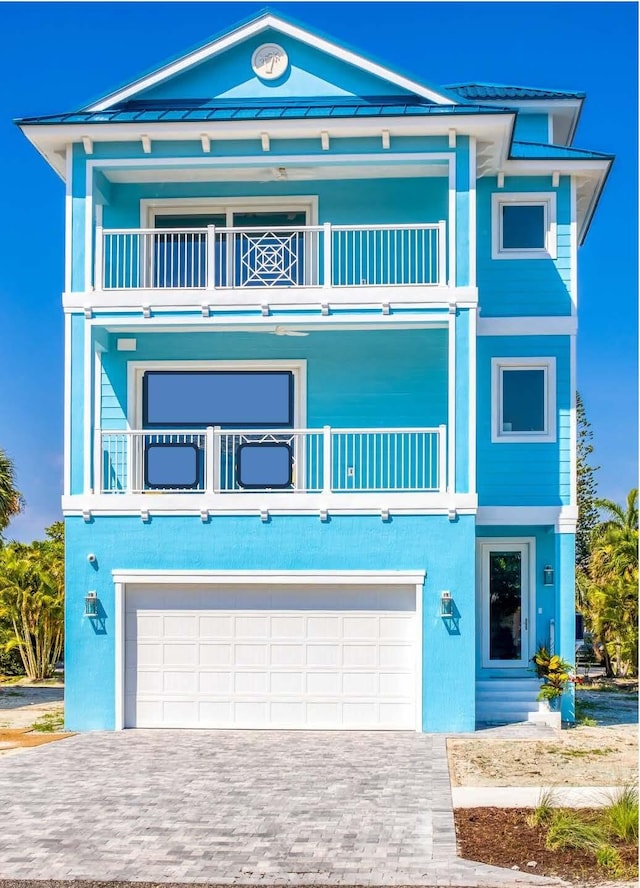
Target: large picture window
column 227, row 398
column 524, row 400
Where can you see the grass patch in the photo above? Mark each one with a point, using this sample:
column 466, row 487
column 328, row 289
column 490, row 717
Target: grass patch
column 543, row 812
column 49, row 723
column 568, row 830
column 621, row 815
column 585, row 753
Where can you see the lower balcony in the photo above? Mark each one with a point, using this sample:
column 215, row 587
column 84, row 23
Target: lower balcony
column 286, row 470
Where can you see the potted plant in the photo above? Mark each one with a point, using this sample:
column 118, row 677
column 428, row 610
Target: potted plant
column 555, row 674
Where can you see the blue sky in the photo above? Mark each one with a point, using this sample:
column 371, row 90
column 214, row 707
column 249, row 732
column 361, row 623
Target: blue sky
column 59, row 56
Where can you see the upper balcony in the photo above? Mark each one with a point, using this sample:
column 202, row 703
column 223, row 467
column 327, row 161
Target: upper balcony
column 279, row 257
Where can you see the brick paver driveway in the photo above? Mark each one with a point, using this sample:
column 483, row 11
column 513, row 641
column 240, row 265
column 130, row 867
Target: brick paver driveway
column 198, row 806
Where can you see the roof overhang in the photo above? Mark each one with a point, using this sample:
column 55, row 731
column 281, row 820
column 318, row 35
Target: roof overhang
column 243, row 32
column 51, row 140
column 565, row 113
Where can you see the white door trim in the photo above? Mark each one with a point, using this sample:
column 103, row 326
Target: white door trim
column 170, row 206
column 125, row 578
column 526, row 545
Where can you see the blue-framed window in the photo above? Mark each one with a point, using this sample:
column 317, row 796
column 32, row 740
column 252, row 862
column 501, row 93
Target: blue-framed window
column 244, row 399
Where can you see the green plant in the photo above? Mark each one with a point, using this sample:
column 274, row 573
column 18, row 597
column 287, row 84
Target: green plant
column 543, row 812
column 582, row 708
column 621, row 815
column 49, row 723
column 568, row 830
column 553, row 670
column 608, row 858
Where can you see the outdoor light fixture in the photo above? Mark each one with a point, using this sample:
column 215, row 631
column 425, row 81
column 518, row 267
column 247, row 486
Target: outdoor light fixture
column 446, row 605
column 91, row 604
column 547, row 574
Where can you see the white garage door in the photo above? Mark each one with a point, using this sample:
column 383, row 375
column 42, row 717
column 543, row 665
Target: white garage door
column 271, row 657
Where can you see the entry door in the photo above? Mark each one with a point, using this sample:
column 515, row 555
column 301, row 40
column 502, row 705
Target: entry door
column 505, row 604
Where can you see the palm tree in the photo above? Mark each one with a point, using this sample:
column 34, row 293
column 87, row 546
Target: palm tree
column 608, row 588
column 11, row 501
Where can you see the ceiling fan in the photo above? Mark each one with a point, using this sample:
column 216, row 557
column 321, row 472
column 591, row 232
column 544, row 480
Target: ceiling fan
column 285, row 331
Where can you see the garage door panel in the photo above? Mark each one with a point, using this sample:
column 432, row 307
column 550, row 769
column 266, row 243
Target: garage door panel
column 215, row 654
column 258, row 657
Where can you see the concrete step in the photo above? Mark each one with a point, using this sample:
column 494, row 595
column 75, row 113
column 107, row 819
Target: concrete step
column 506, row 700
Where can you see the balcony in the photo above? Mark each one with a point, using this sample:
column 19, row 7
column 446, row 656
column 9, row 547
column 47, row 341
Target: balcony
column 235, row 465
column 281, row 258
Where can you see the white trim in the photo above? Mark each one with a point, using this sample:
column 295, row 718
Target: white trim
column 304, row 299
column 119, row 650
column 451, row 413
column 136, row 369
column 88, row 228
column 221, row 504
column 527, row 546
column 452, row 231
column 261, row 324
column 473, row 398
column 169, row 206
column 573, row 246
column 271, row 577
column 562, row 518
column 88, row 424
column 527, row 326
column 573, row 424
column 66, row 485
column 124, row 578
column 473, row 221
column 546, row 199
column 68, row 219
column 548, row 365
column 97, row 417
column 256, row 27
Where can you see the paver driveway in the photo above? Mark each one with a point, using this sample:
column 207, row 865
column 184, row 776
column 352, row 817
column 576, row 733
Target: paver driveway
column 198, row 806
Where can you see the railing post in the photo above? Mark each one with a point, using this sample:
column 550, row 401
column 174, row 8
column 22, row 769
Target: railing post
column 328, row 255
column 209, row 461
column 442, row 253
column 326, row 460
column 442, row 458
column 211, row 257
column 98, row 270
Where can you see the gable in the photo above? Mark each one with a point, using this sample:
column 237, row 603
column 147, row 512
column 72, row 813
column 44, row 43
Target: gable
column 310, row 73
column 315, row 67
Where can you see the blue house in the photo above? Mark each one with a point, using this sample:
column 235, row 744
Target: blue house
column 320, row 374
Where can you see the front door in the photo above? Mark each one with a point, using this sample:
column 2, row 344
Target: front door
column 505, row 604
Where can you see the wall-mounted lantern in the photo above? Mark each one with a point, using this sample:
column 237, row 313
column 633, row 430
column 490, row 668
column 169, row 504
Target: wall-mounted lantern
column 91, row 604
column 547, row 575
column 446, row 605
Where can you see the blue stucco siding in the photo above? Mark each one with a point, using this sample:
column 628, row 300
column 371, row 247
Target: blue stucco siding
column 354, row 378
column 410, row 543
column 462, row 401
column 78, row 332
column 524, row 287
column 519, row 474
column 311, row 73
column 532, row 128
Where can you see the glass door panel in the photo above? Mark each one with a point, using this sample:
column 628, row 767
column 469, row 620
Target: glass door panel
column 505, row 603
column 180, row 257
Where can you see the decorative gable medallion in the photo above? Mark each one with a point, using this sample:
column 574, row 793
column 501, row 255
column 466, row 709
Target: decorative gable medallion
column 269, row 61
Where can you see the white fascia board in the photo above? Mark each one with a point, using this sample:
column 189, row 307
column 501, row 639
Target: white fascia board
column 562, row 518
column 527, row 326
column 242, row 33
column 285, row 503
column 269, row 577
column 547, row 166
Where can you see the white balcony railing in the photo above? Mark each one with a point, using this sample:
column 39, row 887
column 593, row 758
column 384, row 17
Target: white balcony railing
column 221, row 461
column 314, row 256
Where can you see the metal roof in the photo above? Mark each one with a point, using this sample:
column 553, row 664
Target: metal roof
column 178, row 110
column 538, row 151
column 503, row 91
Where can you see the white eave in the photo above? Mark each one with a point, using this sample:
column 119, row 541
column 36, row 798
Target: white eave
column 243, row 32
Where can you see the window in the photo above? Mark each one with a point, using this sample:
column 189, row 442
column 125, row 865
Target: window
column 228, row 398
column 524, row 226
column 524, row 401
